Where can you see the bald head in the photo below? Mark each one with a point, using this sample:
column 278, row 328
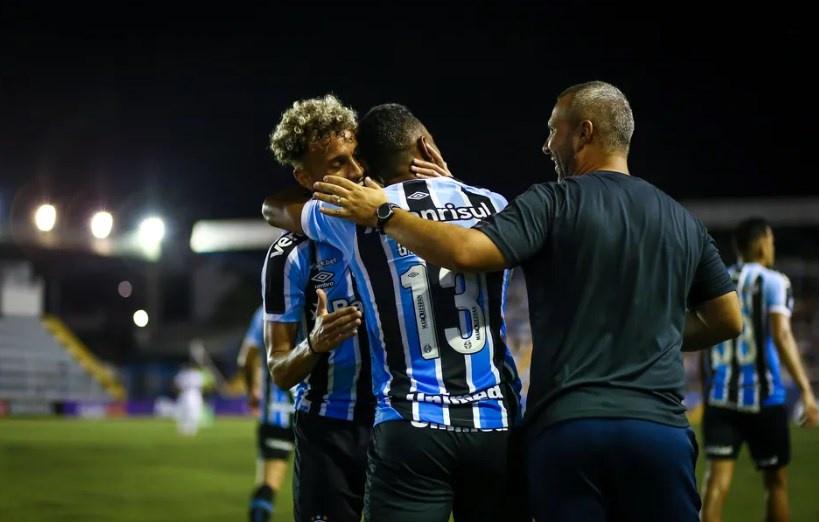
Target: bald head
column 607, row 108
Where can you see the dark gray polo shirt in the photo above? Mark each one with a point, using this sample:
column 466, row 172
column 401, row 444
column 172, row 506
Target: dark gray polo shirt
column 611, row 264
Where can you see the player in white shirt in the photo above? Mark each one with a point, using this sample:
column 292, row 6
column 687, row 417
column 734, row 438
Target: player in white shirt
column 189, row 381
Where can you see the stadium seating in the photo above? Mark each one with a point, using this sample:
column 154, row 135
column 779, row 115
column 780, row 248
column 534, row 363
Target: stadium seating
column 34, row 365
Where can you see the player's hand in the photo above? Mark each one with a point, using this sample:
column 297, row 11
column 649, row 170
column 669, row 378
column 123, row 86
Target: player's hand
column 811, row 415
column 254, row 398
column 331, row 329
column 430, row 169
column 357, row 203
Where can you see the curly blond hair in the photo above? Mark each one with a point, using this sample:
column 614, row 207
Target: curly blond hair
column 308, row 121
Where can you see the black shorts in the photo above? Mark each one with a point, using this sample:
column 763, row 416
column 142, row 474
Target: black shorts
column 424, row 474
column 766, row 432
column 274, row 442
column 330, row 468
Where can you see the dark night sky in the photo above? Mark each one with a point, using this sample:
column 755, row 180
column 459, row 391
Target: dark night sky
column 141, row 108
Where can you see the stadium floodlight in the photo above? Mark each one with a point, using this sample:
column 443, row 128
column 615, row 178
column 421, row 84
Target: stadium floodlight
column 45, row 217
column 151, row 231
column 141, row 318
column 101, row 224
column 150, row 234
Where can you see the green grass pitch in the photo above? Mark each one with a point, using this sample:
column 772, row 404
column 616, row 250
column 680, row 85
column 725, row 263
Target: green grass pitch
column 141, row 470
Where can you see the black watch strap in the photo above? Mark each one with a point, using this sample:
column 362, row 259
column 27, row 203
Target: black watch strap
column 383, row 214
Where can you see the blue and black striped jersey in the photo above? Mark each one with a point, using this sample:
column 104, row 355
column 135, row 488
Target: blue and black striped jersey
column 276, row 406
column 744, row 373
column 438, row 354
column 339, row 385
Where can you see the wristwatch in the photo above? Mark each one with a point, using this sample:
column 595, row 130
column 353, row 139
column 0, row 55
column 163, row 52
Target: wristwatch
column 383, row 214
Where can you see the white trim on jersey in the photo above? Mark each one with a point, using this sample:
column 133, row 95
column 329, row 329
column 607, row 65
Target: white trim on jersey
column 396, row 286
column 377, row 315
column 490, row 344
column 439, row 372
column 293, row 259
column 305, row 213
column 356, row 355
column 331, row 357
column 780, row 309
column 356, row 376
column 491, row 347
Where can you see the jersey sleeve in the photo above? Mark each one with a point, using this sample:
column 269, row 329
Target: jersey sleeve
column 255, row 331
column 520, row 230
column 285, row 276
column 778, row 294
column 498, row 201
column 711, row 277
column 334, row 231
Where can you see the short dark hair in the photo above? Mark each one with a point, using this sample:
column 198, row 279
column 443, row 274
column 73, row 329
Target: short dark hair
column 608, row 108
column 748, row 232
column 385, row 131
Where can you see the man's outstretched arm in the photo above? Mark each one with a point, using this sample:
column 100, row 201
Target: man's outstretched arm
column 460, row 249
column 457, row 248
column 283, row 209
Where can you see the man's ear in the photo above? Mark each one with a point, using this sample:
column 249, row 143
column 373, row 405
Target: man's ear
column 424, row 149
column 759, row 248
column 303, row 178
column 586, row 131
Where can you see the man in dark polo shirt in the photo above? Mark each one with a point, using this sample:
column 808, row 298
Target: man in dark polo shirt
column 621, row 278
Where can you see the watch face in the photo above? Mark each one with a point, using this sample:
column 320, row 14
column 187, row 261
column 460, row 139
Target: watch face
column 384, row 211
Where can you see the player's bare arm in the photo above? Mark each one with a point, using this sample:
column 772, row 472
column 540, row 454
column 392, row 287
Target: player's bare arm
column 290, row 362
column 789, row 353
column 283, row 209
column 249, row 362
column 712, row 322
column 450, row 246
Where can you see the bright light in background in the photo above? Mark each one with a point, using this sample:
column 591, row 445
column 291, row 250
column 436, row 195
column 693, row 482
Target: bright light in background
column 101, row 224
column 232, row 234
column 124, row 289
column 151, row 231
column 150, row 234
column 45, row 217
column 141, row 318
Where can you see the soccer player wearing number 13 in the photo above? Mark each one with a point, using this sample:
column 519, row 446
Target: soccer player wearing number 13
column 745, row 399
column 443, row 377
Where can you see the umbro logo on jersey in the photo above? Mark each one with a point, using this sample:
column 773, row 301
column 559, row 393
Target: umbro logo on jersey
column 322, row 277
column 323, row 280
column 418, row 195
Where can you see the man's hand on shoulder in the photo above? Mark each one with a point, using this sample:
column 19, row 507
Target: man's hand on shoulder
column 358, row 203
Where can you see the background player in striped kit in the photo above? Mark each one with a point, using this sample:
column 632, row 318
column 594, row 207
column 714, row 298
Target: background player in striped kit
column 745, row 398
column 275, row 432
column 330, row 368
column 444, row 379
